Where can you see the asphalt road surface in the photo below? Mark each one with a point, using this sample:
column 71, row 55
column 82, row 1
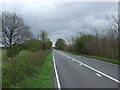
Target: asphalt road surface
column 72, row 71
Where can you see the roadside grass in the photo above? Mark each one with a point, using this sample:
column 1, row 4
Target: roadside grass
column 43, row 77
column 17, row 69
column 0, row 58
column 115, row 61
column 0, row 68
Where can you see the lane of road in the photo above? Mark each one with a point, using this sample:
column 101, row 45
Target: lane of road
column 73, row 74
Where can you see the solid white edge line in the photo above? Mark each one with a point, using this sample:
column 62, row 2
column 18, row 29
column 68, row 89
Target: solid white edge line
column 56, row 73
column 108, row 76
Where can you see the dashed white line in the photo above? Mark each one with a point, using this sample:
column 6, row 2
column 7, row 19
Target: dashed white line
column 108, row 76
column 80, row 64
column 56, row 73
column 98, row 74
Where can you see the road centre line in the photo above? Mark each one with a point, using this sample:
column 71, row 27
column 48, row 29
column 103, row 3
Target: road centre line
column 104, row 62
column 98, row 74
column 108, row 76
column 80, row 64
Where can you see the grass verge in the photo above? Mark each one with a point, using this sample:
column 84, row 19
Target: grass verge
column 0, row 68
column 115, row 61
column 43, row 76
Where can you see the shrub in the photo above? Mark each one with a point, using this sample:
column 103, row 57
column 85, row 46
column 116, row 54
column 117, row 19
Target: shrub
column 32, row 45
column 60, row 44
column 13, row 51
column 80, row 43
column 21, row 66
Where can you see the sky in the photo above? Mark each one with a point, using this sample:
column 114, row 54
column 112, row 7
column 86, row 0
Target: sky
column 62, row 19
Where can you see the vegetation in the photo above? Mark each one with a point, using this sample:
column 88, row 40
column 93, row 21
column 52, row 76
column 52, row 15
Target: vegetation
column 111, row 60
column 35, row 45
column 43, row 76
column 44, row 38
column 80, row 43
column 21, row 66
column 60, row 44
column 14, row 29
column 96, row 44
column 14, row 32
column 0, row 68
column 13, row 51
column 32, row 45
column 25, row 61
column 48, row 44
column 23, row 57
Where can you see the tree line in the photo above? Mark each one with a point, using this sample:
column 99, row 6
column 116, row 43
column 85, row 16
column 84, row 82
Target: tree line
column 22, row 54
column 104, row 43
column 16, row 35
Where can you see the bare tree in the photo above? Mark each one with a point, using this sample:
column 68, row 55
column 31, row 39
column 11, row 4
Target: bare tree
column 114, row 32
column 0, row 29
column 14, row 30
column 119, row 29
column 114, row 24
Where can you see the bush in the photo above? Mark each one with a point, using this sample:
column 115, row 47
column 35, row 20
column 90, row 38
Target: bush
column 60, row 44
column 32, row 45
column 81, row 42
column 13, row 51
column 21, row 66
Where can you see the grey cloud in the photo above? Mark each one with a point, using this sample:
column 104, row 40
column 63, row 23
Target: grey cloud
column 61, row 20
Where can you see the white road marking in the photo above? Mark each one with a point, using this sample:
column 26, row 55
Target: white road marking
column 98, row 74
column 101, row 61
column 56, row 73
column 80, row 64
column 108, row 76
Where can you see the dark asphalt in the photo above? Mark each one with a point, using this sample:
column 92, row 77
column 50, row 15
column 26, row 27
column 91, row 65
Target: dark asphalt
column 73, row 75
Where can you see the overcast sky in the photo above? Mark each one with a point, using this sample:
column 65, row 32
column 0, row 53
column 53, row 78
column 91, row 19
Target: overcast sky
column 62, row 19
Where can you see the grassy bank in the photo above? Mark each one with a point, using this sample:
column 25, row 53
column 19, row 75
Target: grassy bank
column 0, row 68
column 24, row 65
column 43, row 76
column 0, row 59
column 115, row 61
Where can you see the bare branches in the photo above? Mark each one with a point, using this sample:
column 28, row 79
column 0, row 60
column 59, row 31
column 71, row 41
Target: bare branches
column 113, row 20
column 13, row 29
column 105, row 43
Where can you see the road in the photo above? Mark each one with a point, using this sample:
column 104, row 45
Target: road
column 72, row 71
